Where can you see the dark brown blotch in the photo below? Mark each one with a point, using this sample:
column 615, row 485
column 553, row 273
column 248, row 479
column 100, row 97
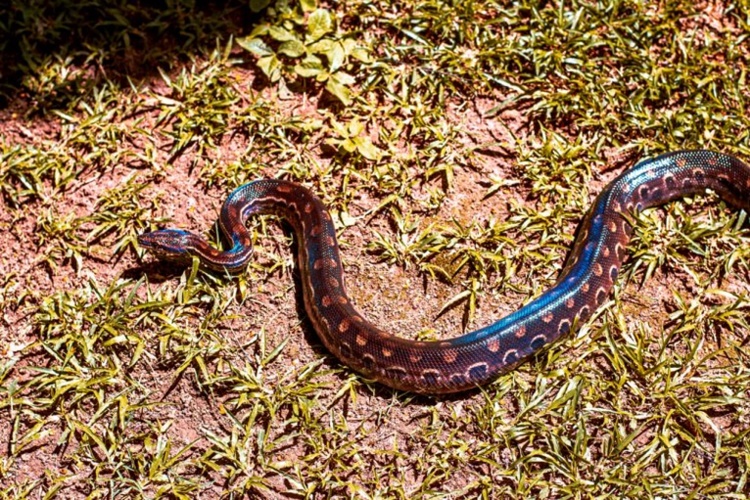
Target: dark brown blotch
column 431, row 377
column 346, row 350
column 613, row 272
column 584, row 313
column 396, row 372
column 538, row 341
column 368, row 362
column 620, row 250
column 564, row 327
column 477, row 372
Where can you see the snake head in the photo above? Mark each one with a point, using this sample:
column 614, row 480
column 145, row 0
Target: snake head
column 173, row 245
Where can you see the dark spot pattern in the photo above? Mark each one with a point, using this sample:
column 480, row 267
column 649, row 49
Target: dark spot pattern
column 613, row 273
column 396, row 372
column 475, row 358
column 564, row 327
column 537, row 342
column 346, row 350
column 431, row 376
column 477, row 372
column 368, row 361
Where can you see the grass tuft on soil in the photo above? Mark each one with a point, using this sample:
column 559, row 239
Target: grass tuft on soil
column 458, row 145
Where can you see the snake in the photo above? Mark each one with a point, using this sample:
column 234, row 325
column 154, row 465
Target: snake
column 476, row 358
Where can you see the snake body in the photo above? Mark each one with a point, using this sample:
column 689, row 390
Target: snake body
column 474, row 358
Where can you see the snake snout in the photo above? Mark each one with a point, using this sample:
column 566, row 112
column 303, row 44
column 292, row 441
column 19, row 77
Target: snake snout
column 169, row 243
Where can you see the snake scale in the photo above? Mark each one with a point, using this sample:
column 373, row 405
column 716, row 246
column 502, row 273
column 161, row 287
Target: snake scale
column 475, row 358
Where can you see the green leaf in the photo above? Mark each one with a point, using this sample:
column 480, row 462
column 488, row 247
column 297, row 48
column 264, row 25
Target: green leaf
column 321, row 46
column 366, row 148
column 340, row 128
column 258, row 5
column 344, row 78
column 355, row 128
column 271, row 67
column 308, row 5
column 310, row 67
column 349, row 146
column 336, row 57
column 260, row 30
column 319, row 24
column 340, row 91
column 292, row 48
column 280, row 34
column 360, row 54
column 255, row 45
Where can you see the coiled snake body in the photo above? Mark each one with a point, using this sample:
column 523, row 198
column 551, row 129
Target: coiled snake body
column 474, row 358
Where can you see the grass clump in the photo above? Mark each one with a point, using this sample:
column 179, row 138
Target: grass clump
column 457, row 146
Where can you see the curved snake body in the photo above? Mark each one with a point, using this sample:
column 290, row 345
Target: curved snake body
column 474, row 358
